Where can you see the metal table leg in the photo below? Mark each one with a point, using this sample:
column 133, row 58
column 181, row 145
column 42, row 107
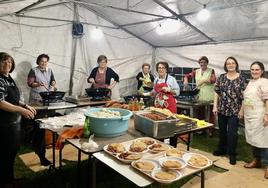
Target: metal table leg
column 53, row 149
column 202, row 179
column 78, row 168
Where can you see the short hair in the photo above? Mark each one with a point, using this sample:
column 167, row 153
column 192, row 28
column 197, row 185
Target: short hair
column 260, row 64
column 102, row 57
column 165, row 64
column 5, row 56
column 40, row 57
column 225, row 63
column 146, row 64
column 203, row 58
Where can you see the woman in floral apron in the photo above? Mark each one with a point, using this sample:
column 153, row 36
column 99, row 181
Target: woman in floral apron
column 145, row 80
column 165, row 87
column 255, row 112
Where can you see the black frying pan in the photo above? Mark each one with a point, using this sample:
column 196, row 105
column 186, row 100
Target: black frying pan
column 52, row 95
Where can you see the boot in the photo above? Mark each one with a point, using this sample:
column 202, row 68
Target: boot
column 266, row 173
column 256, row 163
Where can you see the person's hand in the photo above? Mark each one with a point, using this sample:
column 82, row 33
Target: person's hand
column 241, row 114
column 185, row 82
column 265, row 120
column 91, row 80
column 215, row 110
column 166, row 89
column 141, row 78
column 110, row 87
column 28, row 114
column 32, row 109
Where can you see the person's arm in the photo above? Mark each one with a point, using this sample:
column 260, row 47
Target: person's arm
column 265, row 118
column 25, row 112
column 91, row 78
column 215, row 103
column 111, row 74
column 187, row 77
column 212, row 77
column 31, row 80
column 173, row 86
column 139, row 76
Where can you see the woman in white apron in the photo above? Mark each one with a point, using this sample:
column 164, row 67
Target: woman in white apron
column 255, row 111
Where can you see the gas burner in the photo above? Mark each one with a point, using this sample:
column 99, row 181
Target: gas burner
column 48, row 101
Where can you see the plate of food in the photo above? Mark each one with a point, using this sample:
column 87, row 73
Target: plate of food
column 148, row 141
column 138, row 147
column 145, row 165
column 114, row 148
column 165, row 176
column 175, row 152
column 196, row 160
column 172, row 163
column 127, row 157
column 156, row 148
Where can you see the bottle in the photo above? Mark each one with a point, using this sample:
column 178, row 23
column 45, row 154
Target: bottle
column 136, row 105
column 86, row 130
column 141, row 103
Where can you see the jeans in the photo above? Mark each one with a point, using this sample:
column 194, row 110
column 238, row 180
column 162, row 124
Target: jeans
column 260, row 153
column 228, row 126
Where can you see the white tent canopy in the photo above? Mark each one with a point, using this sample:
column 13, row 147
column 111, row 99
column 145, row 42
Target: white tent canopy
column 130, row 37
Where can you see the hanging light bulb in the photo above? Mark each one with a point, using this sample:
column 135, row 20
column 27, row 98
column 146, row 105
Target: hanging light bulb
column 96, row 33
column 203, row 14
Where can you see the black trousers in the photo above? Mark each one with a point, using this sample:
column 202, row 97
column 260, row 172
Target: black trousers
column 10, row 141
column 228, row 126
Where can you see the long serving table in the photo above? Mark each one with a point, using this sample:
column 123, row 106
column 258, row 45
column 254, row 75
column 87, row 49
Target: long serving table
column 127, row 171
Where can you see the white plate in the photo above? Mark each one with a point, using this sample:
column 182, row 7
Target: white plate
column 181, row 161
column 178, row 175
column 128, row 161
column 155, row 163
column 156, row 151
column 105, row 148
column 146, row 138
column 187, row 157
column 183, row 152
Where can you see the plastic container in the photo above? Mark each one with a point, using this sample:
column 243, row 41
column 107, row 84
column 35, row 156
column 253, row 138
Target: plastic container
column 109, row 127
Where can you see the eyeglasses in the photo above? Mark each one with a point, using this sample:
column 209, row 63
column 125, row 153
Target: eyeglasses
column 161, row 68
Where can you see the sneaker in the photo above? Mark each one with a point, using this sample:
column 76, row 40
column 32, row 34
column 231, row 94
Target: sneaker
column 219, row 153
column 45, row 162
column 232, row 159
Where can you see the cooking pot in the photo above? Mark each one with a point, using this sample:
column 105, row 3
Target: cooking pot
column 97, row 92
column 52, row 95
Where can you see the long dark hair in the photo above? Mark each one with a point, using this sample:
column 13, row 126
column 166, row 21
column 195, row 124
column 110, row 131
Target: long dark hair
column 260, row 64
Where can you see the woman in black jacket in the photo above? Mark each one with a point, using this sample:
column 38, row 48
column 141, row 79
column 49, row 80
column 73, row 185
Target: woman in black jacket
column 145, row 80
column 100, row 77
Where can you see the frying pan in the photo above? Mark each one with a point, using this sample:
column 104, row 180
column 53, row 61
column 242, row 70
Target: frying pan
column 52, row 95
column 97, row 92
column 189, row 92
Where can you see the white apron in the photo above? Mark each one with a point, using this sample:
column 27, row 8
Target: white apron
column 254, row 110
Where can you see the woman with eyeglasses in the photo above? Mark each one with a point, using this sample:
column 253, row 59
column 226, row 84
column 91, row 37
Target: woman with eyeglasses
column 165, row 88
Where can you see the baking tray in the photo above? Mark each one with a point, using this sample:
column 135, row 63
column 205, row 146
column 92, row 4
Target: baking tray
column 185, row 124
column 156, row 129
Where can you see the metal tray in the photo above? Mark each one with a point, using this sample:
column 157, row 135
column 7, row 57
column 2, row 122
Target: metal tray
column 155, row 129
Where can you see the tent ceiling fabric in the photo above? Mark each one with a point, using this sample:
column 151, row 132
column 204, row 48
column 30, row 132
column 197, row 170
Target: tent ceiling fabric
column 231, row 20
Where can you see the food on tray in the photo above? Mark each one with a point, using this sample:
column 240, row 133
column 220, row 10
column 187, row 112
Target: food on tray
column 116, row 148
column 197, row 161
column 155, row 117
column 162, row 111
column 166, row 175
column 130, row 156
column 116, row 104
column 175, row 152
column 145, row 165
column 171, row 164
column 105, row 113
column 138, row 146
column 147, row 141
column 158, row 147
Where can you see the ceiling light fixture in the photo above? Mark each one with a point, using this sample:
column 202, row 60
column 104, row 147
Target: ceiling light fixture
column 203, row 14
column 96, row 33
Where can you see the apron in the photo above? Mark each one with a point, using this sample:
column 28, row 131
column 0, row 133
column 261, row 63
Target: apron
column 254, row 110
column 206, row 92
column 147, row 83
column 164, row 99
column 10, row 123
column 100, row 81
